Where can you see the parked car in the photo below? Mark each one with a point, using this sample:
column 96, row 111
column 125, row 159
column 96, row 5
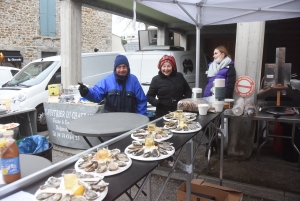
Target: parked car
column 29, row 86
column 6, row 73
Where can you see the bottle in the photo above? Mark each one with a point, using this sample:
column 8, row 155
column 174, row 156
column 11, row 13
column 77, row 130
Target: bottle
column 10, row 161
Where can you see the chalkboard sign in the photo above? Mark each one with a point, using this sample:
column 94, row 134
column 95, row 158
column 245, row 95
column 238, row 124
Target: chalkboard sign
column 58, row 115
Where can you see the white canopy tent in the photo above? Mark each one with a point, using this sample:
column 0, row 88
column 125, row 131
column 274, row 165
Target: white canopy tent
column 216, row 12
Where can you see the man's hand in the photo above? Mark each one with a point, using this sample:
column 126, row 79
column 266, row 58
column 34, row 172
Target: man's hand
column 83, row 90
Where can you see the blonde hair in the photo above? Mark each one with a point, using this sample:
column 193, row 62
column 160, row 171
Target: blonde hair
column 223, row 50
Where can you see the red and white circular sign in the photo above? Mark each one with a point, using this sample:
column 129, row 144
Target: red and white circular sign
column 244, row 86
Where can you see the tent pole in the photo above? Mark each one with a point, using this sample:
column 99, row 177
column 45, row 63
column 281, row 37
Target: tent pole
column 197, row 55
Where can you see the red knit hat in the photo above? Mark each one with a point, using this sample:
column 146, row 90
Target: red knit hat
column 169, row 59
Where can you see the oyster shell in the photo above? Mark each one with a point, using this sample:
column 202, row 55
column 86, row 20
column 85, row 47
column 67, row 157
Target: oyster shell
column 122, row 157
column 121, row 163
column 67, row 197
column 147, row 154
column 101, row 168
column 42, row 196
column 92, row 167
column 112, row 166
column 155, row 153
column 53, row 181
column 78, row 198
column 55, row 197
column 85, row 164
column 90, row 194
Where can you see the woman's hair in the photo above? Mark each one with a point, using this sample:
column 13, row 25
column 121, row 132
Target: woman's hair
column 223, row 49
column 167, row 58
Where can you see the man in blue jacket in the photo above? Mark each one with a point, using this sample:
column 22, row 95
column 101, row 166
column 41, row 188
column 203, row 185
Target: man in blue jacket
column 121, row 90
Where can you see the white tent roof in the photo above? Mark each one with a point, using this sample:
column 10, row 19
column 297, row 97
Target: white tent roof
column 214, row 12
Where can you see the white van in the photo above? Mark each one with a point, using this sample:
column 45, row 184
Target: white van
column 29, row 86
column 6, row 73
column 143, row 64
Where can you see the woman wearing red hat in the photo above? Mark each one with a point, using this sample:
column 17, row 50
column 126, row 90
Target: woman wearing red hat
column 169, row 86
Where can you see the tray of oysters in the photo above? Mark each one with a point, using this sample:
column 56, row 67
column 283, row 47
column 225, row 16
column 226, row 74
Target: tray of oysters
column 188, row 127
column 89, row 188
column 173, row 116
column 160, row 150
column 116, row 163
column 160, row 134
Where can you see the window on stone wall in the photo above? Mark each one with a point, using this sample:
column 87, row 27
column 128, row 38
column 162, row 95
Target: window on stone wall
column 48, row 17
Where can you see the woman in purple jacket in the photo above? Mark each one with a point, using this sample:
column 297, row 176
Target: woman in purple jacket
column 223, row 68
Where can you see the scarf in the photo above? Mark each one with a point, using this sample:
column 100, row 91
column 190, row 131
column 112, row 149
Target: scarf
column 214, row 68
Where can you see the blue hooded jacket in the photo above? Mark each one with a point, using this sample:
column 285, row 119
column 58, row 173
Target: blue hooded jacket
column 121, row 93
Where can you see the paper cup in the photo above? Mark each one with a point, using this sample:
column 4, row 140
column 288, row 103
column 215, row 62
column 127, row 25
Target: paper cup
column 218, row 105
column 202, row 109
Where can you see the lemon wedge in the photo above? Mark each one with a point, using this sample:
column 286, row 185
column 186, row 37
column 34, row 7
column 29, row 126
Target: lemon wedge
column 78, row 190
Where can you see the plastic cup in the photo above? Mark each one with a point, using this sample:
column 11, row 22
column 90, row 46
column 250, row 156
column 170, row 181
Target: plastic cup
column 203, row 109
column 151, row 128
column 182, row 121
column 70, row 179
column 219, row 106
column 103, row 154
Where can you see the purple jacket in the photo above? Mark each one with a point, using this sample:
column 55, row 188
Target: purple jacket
column 227, row 73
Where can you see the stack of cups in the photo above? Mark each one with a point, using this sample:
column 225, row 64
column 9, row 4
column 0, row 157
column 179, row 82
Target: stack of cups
column 197, row 93
column 219, row 94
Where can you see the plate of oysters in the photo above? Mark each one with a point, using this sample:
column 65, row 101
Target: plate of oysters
column 160, row 134
column 174, row 116
column 116, row 163
column 93, row 188
column 160, row 150
column 186, row 128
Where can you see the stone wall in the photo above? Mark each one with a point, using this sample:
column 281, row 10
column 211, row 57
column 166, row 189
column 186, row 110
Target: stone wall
column 20, row 29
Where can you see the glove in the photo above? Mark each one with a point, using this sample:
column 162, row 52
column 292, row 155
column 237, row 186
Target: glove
column 83, row 90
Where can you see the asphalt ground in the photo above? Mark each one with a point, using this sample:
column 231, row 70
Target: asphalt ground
column 269, row 179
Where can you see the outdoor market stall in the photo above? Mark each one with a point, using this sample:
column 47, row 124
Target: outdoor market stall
column 119, row 183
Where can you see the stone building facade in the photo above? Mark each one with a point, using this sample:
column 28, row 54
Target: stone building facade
column 20, row 30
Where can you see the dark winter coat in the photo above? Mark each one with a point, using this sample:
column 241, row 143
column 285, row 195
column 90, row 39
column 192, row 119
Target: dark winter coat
column 169, row 90
column 227, row 73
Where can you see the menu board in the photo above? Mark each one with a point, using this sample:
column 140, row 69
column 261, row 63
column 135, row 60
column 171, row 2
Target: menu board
column 58, row 116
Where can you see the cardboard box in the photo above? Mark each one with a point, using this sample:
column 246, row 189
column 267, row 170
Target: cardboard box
column 198, row 186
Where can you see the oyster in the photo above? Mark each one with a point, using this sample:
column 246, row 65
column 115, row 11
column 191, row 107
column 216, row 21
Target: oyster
column 78, row 198
column 92, row 167
column 53, row 181
column 112, row 166
column 158, row 136
column 101, row 168
column 155, row 153
column 147, row 154
column 114, row 151
column 55, row 197
column 121, row 163
column 139, row 152
column 137, row 143
column 90, row 194
column 85, row 164
column 163, row 152
column 42, row 196
column 46, row 186
column 122, row 157
column 87, row 176
column 67, row 197
column 100, row 186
